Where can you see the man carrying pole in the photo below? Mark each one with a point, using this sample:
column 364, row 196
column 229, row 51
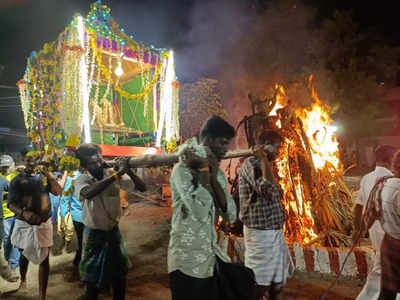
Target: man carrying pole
column 104, row 263
column 199, row 193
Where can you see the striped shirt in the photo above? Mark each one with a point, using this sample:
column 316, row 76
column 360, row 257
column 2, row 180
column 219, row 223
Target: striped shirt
column 260, row 200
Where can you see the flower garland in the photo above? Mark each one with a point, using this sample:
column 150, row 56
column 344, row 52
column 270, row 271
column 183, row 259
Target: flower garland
column 72, row 98
column 96, row 97
column 39, row 94
column 171, row 146
column 107, row 73
column 51, row 89
column 23, row 95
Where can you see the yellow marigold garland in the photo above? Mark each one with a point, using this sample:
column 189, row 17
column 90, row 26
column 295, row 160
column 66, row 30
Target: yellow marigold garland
column 106, row 72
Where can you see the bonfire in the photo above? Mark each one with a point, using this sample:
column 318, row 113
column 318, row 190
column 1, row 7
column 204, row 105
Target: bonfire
column 317, row 202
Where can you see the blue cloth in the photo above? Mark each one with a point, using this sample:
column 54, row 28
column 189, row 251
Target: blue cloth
column 69, row 202
column 55, row 204
column 11, row 253
column 3, row 187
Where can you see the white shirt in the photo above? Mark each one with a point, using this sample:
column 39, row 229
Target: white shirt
column 104, row 210
column 367, row 183
column 390, row 218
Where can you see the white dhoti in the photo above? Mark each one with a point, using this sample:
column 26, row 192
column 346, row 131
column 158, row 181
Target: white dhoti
column 34, row 240
column 267, row 254
column 372, row 286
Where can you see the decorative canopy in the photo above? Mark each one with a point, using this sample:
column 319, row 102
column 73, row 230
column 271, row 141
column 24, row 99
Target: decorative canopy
column 95, row 83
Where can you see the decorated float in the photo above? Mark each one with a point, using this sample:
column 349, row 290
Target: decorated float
column 97, row 84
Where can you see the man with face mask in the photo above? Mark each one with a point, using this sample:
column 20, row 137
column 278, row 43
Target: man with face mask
column 263, row 216
column 200, row 195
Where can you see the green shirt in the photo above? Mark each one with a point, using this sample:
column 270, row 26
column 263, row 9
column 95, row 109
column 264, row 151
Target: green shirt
column 193, row 238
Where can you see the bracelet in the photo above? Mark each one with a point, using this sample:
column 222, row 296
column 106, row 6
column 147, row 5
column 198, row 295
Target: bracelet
column 206, row 169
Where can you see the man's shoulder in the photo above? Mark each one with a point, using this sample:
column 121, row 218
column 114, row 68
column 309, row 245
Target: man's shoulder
column 376, row 174
column 250, row 163
column 11, row 176
column 180, row 171
column 368, row 176
column 18, row 178
column 82, row 177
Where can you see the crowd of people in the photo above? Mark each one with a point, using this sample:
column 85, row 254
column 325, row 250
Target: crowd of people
column 200, row 195
column 86, row 203
column 89, row 205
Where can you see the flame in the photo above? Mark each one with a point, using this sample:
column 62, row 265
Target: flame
column 321, row 134
column 294, row 200
column 324, row 148
column 279, row 96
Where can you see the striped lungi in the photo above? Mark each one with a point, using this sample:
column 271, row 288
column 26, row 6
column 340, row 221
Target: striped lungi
column 390, row 260
column 267, row 254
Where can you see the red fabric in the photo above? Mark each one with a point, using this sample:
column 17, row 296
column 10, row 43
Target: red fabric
column 362, row 264
column 390, row 260
column 309, row 259
column 334, row 262
column 111, row 150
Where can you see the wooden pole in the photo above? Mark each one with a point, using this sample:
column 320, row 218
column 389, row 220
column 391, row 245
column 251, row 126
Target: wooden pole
column 158, row 160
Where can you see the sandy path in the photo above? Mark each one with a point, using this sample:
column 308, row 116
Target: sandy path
column 145, row 232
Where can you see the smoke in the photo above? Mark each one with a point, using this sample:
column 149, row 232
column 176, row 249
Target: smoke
column 249, row 50
column 274, row 50
column 215, row 26
column 246, row 49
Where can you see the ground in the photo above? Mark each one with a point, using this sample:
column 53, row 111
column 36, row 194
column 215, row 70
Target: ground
column 145, row 230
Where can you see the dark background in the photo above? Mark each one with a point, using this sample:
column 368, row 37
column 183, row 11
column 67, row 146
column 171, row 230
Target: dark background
column 196, row 30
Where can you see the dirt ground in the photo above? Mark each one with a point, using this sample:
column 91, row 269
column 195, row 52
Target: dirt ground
column 146, row 233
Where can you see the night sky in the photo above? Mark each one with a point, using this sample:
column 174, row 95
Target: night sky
column 183, row 25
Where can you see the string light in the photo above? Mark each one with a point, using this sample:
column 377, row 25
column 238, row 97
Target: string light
column 167, row 118
column 83, row 70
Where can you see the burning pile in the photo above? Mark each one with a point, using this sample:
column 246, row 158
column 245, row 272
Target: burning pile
column 317, row 202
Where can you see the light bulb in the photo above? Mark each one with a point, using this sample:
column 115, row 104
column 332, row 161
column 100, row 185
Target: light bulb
column 119, row 71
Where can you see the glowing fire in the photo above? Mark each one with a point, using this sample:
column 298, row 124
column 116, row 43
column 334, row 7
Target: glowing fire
column 294, row 199
column 321, row 134
column 280, row 93
column 324, row 148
